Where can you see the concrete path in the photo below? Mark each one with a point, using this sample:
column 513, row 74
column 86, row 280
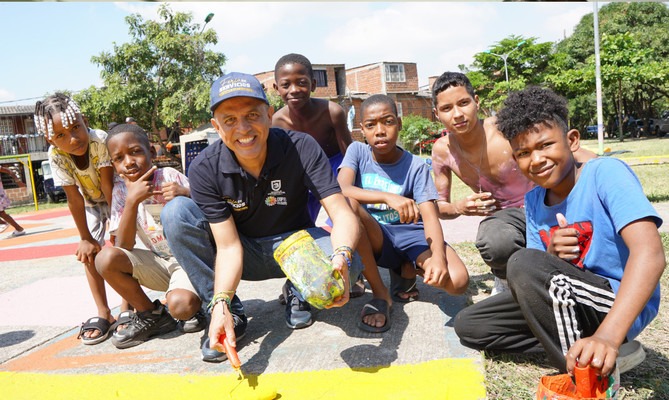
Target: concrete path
column 44, row 297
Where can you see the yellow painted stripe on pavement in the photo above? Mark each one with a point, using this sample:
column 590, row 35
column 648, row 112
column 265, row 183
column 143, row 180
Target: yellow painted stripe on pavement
column 457, row 379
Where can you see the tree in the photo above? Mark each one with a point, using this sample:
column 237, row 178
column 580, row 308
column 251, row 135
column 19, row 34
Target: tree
column 527, row 62
column 162, row 77
column 641, row 89
column 416, row 129
column 274, row 99
column 619, row 57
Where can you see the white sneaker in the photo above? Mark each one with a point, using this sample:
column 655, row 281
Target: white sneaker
column 501, row 285
column 18, row 233
column 630, row 355
column 3, row 227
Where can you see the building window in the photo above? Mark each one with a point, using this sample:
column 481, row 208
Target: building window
column 321, row 77
column 6, row 126
column 395, row 73
column 399, row 109
column 29, row 126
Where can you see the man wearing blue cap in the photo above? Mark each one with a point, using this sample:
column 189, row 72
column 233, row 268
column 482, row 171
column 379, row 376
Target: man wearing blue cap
column 249, row 193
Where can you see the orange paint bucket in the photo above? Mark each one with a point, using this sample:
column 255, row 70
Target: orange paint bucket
column 585, row 385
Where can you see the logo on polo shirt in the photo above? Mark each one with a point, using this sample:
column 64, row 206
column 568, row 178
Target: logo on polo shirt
column 274, row 201
column 237, row 205
column 276, row 196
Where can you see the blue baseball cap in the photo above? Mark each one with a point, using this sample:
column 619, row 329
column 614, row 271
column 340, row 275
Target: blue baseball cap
column 235, row 84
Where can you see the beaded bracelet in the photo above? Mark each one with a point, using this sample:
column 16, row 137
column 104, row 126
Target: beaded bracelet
column 345, row 252
column 343, row 248
column 225, row 295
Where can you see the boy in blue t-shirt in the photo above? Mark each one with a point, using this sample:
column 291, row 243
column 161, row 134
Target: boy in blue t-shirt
column 400, row 214
column 587, row 284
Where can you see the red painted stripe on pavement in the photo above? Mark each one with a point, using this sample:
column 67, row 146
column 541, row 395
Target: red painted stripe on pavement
column 31, row 253
column 46, row 214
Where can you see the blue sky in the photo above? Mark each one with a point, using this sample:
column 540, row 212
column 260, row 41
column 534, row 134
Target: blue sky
column 48, row 46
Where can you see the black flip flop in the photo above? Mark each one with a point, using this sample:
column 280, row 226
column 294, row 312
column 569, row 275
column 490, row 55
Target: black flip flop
column 358, row 288
column 402, row 285
column 375, row 306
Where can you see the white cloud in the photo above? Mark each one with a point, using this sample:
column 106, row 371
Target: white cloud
column 437, row 36
column 233, row 21
column 242, row 62
column 6, row 95
column 563, row 23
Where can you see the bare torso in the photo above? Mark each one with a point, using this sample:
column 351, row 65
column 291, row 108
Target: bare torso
column 316, row 119
column 490, row 167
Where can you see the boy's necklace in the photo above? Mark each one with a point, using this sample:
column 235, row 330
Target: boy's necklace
column 476, row 168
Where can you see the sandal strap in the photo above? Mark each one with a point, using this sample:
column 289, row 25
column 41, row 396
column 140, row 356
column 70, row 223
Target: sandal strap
column 94, row 323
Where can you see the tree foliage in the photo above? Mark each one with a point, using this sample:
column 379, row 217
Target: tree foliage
column 526, row 61
column 161, row 77
column 274, row 99
column 416, row 129
column 634, row 65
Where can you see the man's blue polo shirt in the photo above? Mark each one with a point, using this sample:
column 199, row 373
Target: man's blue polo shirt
column 274, row 203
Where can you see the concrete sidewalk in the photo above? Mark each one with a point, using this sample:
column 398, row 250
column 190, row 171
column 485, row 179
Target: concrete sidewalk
column 44, row 297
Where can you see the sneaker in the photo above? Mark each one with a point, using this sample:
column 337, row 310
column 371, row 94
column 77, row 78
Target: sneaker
column 194, row 324
column 630, row 355
column 145, row 325
column 18, row 233
column 501, row 285
column 3, row 227
column 298, row 311
column 215, row 356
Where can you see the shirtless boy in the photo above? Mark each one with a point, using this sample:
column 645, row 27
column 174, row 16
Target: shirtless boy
column 477, row 153
column 324, row 120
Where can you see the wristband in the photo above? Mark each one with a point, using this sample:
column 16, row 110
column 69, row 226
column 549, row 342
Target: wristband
column 345, row 252
column 224, row 295
column 343, row 248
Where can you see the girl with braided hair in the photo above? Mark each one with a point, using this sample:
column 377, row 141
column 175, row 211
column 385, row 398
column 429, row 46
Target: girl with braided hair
column 82, row 166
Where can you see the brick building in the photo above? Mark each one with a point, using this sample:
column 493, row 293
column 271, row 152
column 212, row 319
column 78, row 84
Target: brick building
column 18, row 137
column 350, row 87
column 395, row 79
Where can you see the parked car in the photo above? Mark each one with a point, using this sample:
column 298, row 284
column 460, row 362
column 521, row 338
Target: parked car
column 54, row 193
column 660, row 126
column 639, row 128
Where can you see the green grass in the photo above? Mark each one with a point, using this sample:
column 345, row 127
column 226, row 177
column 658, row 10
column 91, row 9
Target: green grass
column 516, row 376
column 642, row 147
